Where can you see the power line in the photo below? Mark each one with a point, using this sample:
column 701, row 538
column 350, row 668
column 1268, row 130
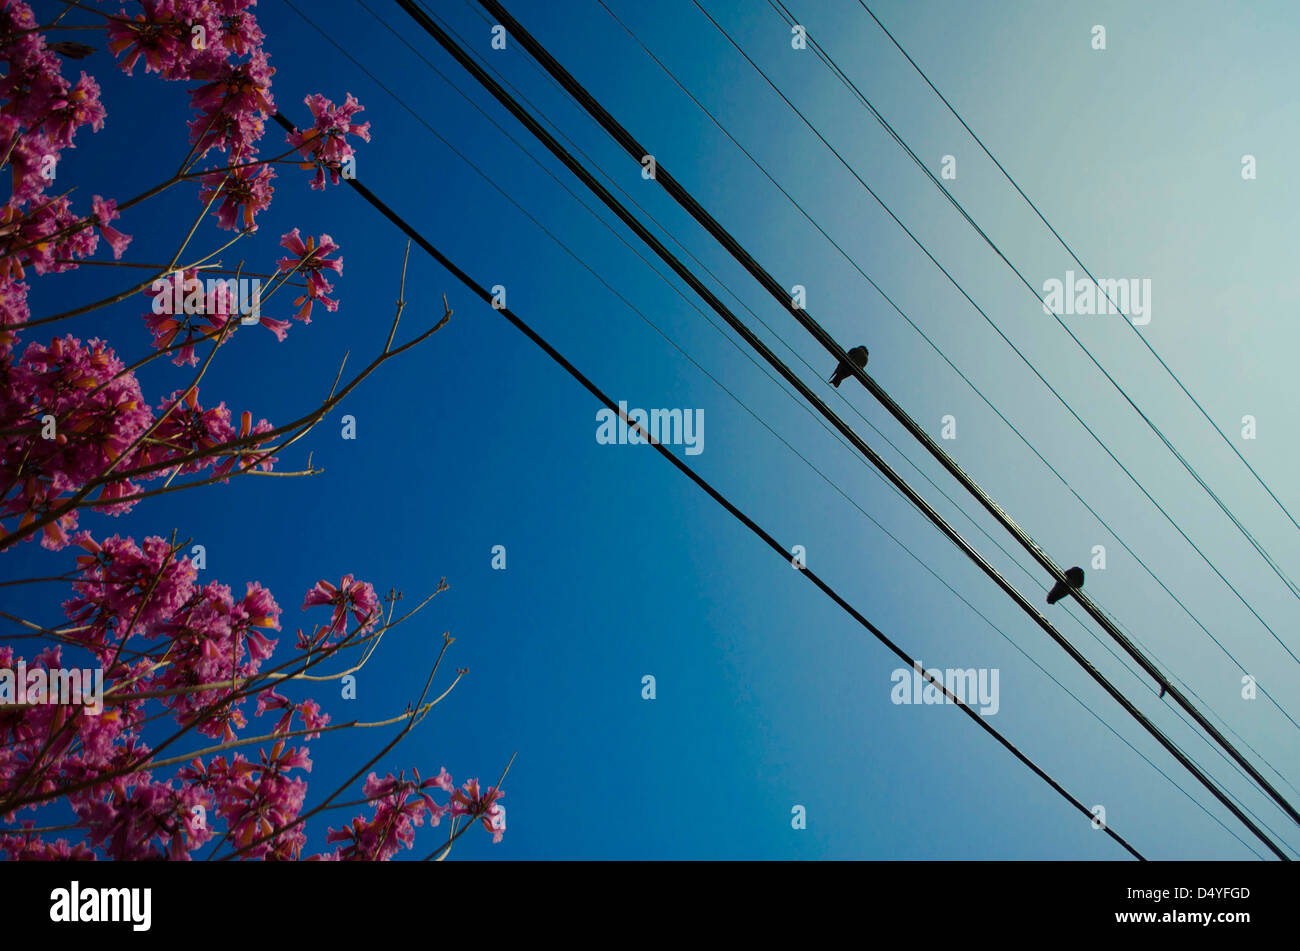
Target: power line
column 1076, row 260
column 483, row 294
column 741, row 403
column 852, row 86
column 697, row 211
column 955, row 368
column 692, row 304
column 699, row 310
column 834, row 485
column 704, row 267
column 505, row 99
column 996, row 328
column 1034, row 578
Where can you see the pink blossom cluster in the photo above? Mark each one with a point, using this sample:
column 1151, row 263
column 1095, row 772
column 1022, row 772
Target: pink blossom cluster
column 210, row 643
column 349, row 595
column 207, row 637
column 400, row 805
column 75, row 427
column 69, row 415
column 216, row 43
column 310, row 261
column 325, row 147
column 126, row 591
column 40, row 114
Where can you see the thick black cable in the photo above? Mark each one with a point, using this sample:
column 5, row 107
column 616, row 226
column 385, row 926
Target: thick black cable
column 632, row 222
column 955, row 283
column 853, row 87
column 749, row 356
column 978, row 392
column 693, row 207
column 897, row 541
column 484, row 295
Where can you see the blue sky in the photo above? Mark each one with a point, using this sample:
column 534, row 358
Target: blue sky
column 768, row 696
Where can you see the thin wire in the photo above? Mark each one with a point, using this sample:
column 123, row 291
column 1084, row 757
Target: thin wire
column 465, row 60
column 743, row 405
column 992, row 324
column 844, row 78
column 1075, row 257
column 705, row 218
column 1032, row 576
column 941, row 353
column 695, row 477
column 1203, row 702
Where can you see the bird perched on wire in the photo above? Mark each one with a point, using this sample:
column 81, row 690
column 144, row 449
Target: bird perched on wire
column 842, row 372
column 1074, row 576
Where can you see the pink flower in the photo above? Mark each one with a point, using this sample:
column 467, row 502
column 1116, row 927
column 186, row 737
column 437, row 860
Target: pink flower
column 239, row 30
column 443, row 780
column 324, row 146
column 246, row 192
column 357, row 596
column 14, row 313
column 467, row 801
column 278, row 327
column 81, row 106
column 105, row 211
column 101, row 410
column 399, row 807
column 261, row 606
column 157, row 34
column 238, row 87
column 182, row 314
column 233, row 107
column 33, row 158
column 310, row 263
column 47, row 238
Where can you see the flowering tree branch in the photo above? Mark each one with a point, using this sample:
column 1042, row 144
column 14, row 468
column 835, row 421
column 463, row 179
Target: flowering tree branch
column 77, row 434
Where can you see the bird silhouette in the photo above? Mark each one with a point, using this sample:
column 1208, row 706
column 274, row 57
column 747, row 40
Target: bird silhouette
column 842, row 372
column 70, row 49
column 1074, row 576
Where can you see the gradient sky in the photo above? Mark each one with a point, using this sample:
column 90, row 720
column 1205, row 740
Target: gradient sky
column 768, row 695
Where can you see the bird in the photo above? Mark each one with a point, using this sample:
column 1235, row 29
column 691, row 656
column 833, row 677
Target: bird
column 1059, row 590
column 842, row 372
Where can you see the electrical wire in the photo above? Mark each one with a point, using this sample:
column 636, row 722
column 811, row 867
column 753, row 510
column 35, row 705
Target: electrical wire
column 522, row 37
column 484, row 295
column 1115, row 534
